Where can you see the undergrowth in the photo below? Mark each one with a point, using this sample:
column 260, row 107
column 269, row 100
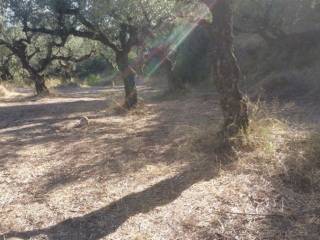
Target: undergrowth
column 272, row 145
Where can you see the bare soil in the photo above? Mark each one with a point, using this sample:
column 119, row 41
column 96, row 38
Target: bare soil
column 151, row 173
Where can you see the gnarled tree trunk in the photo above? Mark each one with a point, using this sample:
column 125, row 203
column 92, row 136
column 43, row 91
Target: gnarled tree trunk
column 40, row 86
column 226, row 69
column 39, row 82
column 128, row 76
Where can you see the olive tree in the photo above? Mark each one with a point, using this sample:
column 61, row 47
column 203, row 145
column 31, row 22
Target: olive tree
column 119, row 25
column 35, row 51
column 227, row 73
column 278, row 20
column 25, row 48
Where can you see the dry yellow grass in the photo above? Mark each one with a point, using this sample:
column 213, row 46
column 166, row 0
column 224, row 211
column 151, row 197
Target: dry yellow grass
column 4, row 92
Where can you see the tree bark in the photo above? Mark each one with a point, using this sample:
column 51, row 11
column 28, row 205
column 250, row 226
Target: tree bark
column 20, row 52
column 39, row 82
column 128, row 76
column 5, row 73
column 227, row 71
column 40, row 86
column 174, row 82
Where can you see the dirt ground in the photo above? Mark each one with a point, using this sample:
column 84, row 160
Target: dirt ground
column 139, row 175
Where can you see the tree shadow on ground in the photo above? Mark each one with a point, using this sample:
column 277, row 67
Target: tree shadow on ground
column 17, row 115
column 32, row 124
column 26, row 94
column 105, row 221
column 116, row 155
column 110, row 147
column 117, row 165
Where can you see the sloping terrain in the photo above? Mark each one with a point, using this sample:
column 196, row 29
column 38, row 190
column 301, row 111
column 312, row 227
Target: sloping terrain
column 154, row 173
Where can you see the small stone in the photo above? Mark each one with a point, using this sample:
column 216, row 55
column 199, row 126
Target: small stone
column 83, row 122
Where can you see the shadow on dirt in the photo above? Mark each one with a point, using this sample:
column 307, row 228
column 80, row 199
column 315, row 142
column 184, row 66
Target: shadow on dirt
column 104, row 221
column 14, row 116
column 123, row 149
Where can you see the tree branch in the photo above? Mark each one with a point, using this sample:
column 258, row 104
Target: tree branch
column 37, row 50
column 83, row 34
column 72, row 58
column 94, row 32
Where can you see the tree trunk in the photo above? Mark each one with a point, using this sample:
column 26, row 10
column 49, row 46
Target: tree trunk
column 174, row 82
column 40, row 86
column 128, row 76
column 39, row 81
column 5, row 74
column 227, row 71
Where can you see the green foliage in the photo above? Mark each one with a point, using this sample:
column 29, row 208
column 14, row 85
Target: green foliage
column 92, row 66
column 192, row 64
column 276, row 16
column 93, row 80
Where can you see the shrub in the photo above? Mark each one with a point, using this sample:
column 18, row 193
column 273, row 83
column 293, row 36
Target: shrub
column 93, row 80
column 93, row 66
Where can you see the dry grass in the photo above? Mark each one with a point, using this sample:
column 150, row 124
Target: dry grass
column 154, row 174
column 5, row 92
column 286, row 154
column 269, row 190
column 276, row 139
